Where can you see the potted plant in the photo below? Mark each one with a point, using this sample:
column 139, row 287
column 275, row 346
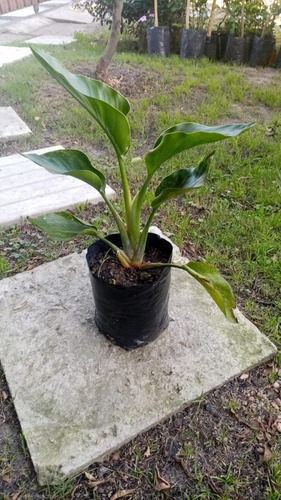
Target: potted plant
column 131, row 312
column 158, row 37
column 194, row 36
column 264, row 44
column 238, row 45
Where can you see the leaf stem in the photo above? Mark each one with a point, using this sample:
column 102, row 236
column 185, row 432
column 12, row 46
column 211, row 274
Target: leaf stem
column 121, row 227
column 126, row 189
column 138, row 256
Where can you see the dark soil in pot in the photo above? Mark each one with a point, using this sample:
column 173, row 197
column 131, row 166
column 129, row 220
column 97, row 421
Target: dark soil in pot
column 261, row 51
column 237, row 49
column 158, row 41
column 131, row 305
column 192, row 44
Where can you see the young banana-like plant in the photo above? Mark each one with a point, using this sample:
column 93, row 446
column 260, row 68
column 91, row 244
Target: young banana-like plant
column 110, row 109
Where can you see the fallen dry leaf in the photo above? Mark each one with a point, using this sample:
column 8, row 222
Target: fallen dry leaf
column 267, row 370
column 6, row 478
column 5, row 395
column 183, row 464
column 190, row 246
column 75, row 489
column 267, row 456
column 147, row 453
column 244, row 376
column 122, row 494
column 214, row 487
column 161, row 483
column 116, row 456
column 16, row 495
column 90, row 476
column 95, row 484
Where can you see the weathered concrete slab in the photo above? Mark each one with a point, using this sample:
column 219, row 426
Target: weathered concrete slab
column 69, row 14
column 51, row 40
column 78, row 397
column 29, row 190
column 12, row 54
column 29, row 25
column 11, row 125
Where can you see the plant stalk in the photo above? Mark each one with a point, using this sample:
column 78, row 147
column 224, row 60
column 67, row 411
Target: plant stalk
column 121, row 227
column 243, row 19
column 212, row 18
column 187, row 14
column 126, row 189
column 156, row 22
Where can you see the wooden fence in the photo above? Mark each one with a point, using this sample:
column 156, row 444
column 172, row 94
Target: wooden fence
column 10, row 5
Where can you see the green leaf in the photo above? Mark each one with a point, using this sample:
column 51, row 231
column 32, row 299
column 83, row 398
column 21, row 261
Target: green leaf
column 107, row 106
column 70, row 162
column 181, row 181
column 186, row 136
column 62, row 226
column 215, row 285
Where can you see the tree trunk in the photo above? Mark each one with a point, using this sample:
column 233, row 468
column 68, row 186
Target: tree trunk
column 106, row 58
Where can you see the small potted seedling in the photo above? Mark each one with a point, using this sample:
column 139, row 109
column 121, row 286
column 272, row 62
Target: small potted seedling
column 238, row 45
column 194, row 36
column 158, row 37
column 130, row 270
column 263, row 46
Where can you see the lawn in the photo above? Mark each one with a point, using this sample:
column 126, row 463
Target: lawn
column 227, row 445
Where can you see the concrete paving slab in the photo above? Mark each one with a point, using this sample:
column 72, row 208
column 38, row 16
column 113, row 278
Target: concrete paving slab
column 28, row 26
column 11, row 125
column 69, row 14
column 77, row 396
column 12, row 54
column 51, row 40
column 29, row 190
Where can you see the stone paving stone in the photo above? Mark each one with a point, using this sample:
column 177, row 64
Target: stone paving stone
column 51, row 40
column 11, row 125
column 12, row 54
column 77, row 396
column 29, row 190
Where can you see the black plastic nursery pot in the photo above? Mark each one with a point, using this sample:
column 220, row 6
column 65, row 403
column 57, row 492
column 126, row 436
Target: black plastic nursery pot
column 131, row 316
column 210, row 49
column 215, row 45
column 158, row 41
column 192, row 44
column 278, row 60
column 237, row 49
column 261, row 51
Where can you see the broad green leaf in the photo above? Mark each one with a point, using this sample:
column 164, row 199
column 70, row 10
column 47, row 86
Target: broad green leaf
column 70, row 162
column 62, row 226
column 107, row 106
column 186, row 136
column 215, row 285
column 181, row 181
